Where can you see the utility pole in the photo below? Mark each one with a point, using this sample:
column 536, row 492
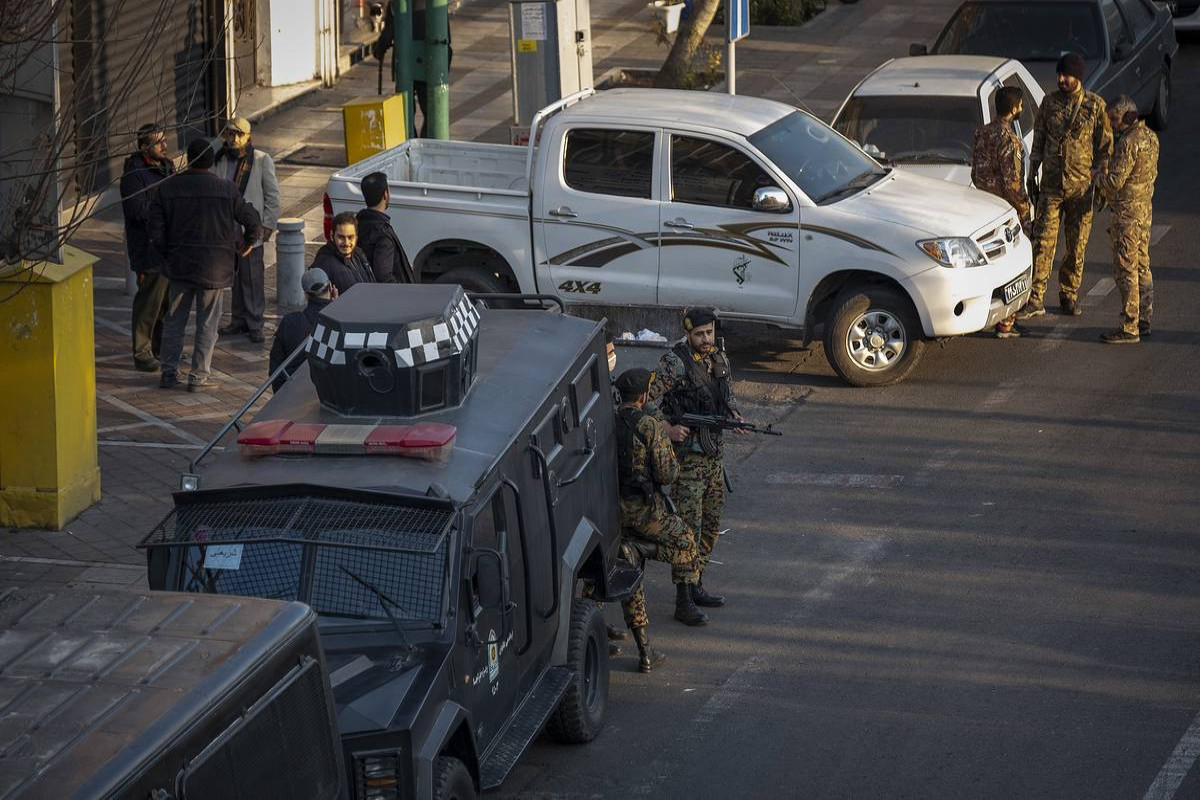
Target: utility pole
column 437, row 68
column 402, row 59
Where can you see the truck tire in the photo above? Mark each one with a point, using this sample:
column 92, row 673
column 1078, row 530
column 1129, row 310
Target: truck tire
column 580, row 713
column 474, row 279
column 452, row 780
column 873, row 336
column 1160, row 115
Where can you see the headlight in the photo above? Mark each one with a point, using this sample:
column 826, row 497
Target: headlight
column 377, row 776
column 956, row 252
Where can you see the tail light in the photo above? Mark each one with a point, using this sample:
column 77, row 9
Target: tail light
column 431, row 441
column 327, row 226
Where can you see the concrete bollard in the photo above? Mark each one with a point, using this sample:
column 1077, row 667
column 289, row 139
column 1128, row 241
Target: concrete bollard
column 289, row 263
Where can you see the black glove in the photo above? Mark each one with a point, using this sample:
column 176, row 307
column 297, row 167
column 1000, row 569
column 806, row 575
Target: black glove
column 1031, row 186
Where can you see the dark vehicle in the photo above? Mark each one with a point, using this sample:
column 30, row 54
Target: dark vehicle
column 439, row 483
column 163, row 696
column 1128, row 45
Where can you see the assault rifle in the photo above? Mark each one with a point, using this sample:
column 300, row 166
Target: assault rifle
column 713, row 422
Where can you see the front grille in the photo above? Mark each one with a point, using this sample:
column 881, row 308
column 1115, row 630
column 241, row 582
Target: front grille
column 995, row 242
column 282, row 747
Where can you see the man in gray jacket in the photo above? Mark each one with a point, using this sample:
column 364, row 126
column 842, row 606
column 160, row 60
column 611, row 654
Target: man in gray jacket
column 253, row 172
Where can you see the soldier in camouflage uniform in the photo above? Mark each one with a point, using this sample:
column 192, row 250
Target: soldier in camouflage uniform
column 645, row 466
column 998, row 167
column 1128, row 186
column 693, row 377
column 1071, row 138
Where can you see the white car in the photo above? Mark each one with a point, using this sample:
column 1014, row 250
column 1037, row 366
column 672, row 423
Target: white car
column 921, row 113
column 652, row 197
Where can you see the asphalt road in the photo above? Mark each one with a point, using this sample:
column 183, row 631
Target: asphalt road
column 983, row 583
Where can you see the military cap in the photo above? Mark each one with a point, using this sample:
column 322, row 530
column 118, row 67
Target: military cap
column 700, row 315
column 634, row 382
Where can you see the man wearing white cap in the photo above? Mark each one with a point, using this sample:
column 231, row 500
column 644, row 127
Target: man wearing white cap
column 297, row 326
column 253, row 171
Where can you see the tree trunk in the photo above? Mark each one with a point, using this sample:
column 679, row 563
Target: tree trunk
column 675, row 69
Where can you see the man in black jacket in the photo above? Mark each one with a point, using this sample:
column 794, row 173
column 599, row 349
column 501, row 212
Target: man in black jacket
column 143, row 169
column 194, row 223
column 340, row 258
column 376, row 236
column 297, row 326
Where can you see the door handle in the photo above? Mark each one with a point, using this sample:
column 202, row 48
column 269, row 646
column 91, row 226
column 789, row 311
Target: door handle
column 679, row 223
column 562, row 211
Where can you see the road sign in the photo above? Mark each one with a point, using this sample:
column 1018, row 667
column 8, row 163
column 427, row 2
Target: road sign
column 737, row 16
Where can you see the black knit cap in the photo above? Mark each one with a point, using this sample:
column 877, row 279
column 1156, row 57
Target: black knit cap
column 700, row 315
column 634, row 382
column 200, row 154
column 373, row 186
column 1072, row 64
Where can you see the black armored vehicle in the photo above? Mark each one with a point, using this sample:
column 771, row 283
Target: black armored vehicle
column 438, row 482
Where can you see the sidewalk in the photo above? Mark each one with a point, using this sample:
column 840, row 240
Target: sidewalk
column 147, row 435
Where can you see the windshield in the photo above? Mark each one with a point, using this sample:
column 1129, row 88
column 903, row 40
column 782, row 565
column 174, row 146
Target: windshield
column 912, row 130
column 825, row 166
column 344, row 558
column 1024, row 31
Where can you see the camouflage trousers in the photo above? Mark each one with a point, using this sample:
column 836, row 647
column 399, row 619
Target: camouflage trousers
column 1074, row 216
column 699, row 494
column 676, row 546
column 1130, row 234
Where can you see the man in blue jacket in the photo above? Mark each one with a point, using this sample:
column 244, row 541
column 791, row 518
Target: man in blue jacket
column 143, row 169
column 201, row 224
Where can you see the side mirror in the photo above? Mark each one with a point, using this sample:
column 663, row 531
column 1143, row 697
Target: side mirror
column 491, row 582
column 873, row 151
column 1122, row 51
column 771, row 200
column 916, row 49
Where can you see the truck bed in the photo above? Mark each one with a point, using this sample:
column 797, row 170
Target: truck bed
column 464, row 165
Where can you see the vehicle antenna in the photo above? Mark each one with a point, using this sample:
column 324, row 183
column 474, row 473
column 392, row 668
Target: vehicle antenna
column 795, row 96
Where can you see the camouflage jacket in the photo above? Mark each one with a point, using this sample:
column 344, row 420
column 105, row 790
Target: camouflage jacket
column 1070, row 137
column 653, row 456
column 998, row 166
column 672, row 372
column 1128, row 183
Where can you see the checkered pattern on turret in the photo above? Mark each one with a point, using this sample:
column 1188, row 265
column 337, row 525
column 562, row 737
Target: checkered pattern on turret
column 419, row 342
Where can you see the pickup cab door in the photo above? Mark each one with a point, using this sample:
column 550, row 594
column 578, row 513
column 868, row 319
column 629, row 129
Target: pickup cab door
column 596, row 216
column 717, row 248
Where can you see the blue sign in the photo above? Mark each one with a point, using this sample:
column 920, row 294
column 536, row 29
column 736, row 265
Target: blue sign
column 737, row 19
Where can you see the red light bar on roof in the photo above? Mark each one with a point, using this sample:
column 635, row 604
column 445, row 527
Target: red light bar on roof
column 431, row 441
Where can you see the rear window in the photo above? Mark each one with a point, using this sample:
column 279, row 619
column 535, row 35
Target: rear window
column 913, row 130
column 613, row 162
column 1024, row 31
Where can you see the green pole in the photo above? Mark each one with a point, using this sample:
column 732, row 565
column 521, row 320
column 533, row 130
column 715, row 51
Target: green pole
column 437, row 67
column 402, row 55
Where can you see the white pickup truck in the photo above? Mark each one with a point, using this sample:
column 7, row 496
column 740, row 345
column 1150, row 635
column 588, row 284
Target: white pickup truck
column 645, row 197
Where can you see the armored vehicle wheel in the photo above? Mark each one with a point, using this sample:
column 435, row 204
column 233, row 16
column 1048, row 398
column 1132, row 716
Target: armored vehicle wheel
column 452, row 781
column 474, row 279
column 580, row 713
column 873, row 337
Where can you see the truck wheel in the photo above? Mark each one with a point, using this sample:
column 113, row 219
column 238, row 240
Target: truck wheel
column 474, row 279
column 1162, row 102
column 580, row 713
column 452, row 781
column 873, row 337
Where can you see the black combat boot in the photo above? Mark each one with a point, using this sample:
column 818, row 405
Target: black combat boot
column 648, row 657
column 615, row 635
column 685, row 608
column 702, row 597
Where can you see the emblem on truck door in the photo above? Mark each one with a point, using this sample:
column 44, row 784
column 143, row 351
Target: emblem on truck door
column 739, row 269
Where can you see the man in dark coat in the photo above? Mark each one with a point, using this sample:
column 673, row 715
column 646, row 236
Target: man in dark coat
column 297, row 326
column 340, row 258
column 143, row 169
column 376, row 236
column 201, row 224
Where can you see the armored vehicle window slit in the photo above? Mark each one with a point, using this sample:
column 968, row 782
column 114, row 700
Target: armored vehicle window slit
column 585, row 390
column 432, row 389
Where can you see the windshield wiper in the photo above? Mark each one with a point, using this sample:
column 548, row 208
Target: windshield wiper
column 926, row 157
column 384, row 600
column 854, row 185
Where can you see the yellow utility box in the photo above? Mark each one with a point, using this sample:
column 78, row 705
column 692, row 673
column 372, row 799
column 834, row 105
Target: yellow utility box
column 49, row 465
column 372, row 124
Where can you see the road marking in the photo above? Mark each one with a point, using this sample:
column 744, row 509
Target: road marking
column 1157, row 232
column 1102, row 287
column 1180, row 763
column 102, row 322
column 1001, row 395
column 1054, row 338
column 146, row 416
column 835, row 479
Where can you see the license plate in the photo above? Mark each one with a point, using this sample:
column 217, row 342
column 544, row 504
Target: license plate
column 1015, row 289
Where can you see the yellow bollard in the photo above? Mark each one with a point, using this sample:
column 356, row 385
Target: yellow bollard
column 372, row 125
column 49, row 466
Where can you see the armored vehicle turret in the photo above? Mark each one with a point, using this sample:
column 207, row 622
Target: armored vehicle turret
column 438, row 482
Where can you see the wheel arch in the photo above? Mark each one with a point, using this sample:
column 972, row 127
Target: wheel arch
column 579, row 558
column 825, row 293
column 444, row 255
column 450, row 735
